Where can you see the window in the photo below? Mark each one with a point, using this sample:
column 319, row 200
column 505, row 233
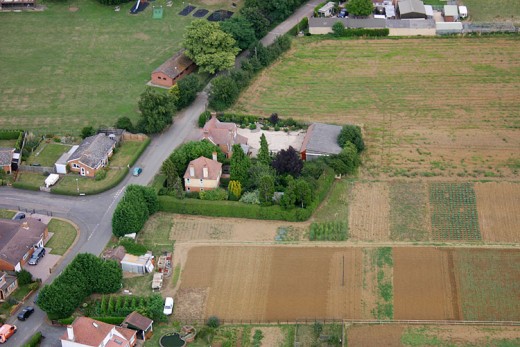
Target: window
column 201, row 189
column 187, row 180
column 75, row 166
column 201, row 180
column 188, row 189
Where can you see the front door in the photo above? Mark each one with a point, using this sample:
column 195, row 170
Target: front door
column 82, row 171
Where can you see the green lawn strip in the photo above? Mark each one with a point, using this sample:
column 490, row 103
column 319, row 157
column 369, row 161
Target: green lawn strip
column 6, row 214
column 383, row 261
column 126, row 152
column 69, row 186
column 29, row 180
column 176, row 275
column 60, row 47
column 155, row 235
column 489, row 286
column 7, row 143
column 47, row 154
column 64, row 236
column 335, row 206
column 408, row 211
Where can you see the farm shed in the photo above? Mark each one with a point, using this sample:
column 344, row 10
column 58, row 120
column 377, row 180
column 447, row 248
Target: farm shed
column 172, row 70
column 451, row 13
column 411, row 9
column 61, row 164
column 445, row 28
column 320, row 140
column 411, row 27
column 327, row 10
column 137, row 264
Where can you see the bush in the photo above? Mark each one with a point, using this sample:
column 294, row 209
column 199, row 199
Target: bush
column 213, row 195
column 110, row 320
column 303, row 25
column 132, row 247
column 100, row 175
column 24, row 277
column 112, row 2
column 351, row 133
column 213, row 322
column 203, row 118
column 66, row 321
column 35, row 340
column 252, row 126
column 338, row 29
column 124, row 123
column 359, row 32
column 133, row 210
column 188, row 86
column 224, row 92
column 252, row 198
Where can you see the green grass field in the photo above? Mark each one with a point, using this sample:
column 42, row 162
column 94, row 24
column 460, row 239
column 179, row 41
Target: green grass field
column 47, row 154
column 64, row 70
column 491, row 11
column 408, row 211
column 7, row 143
column 64, row 235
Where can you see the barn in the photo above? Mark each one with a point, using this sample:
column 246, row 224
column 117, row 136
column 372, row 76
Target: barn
column 411, row 9
column 172, row 70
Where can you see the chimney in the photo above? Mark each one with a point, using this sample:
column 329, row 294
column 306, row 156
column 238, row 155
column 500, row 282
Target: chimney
column 192, row 171
column 214, row 156
column 205, row 171
column 70, row 333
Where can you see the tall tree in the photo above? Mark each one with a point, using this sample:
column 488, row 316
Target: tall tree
column 189, row 86
column 302, row 192
column 263, row 154
column 209, row 47
column 266, row 189
column 257, row 19
column 241, row 30
column 351, row 133
column 234, row 190
column 224, row 92
column 288, row 162
column 361, row 8
column 157, row 110
column 239, row 165
column 192, row 150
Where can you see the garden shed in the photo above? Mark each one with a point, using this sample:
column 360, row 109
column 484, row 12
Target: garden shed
column 327, row 10
column 138, row 264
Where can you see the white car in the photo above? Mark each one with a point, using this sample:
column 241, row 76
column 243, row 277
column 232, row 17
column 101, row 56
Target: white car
column 168, row 306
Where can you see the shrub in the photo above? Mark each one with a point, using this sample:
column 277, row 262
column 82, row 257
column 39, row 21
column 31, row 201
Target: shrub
column 252, row 126
column 213, row 322
column 252, row 198
column 132, row 247
column 124, row 123
column 112, row 2
column 351, row 133
column 203, row 118
column 338, row 29
column 303, row 25
column 24, row 277
column 133, row 210
column 35, row 340
column 213, row 195
column 100, row 175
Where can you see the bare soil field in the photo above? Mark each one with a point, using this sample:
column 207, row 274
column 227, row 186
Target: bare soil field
column 498, row 206
column 488, row 283
column 424, row 288
column 452, row 335
column 369, row 217
column 424, row 110
column 271, row 283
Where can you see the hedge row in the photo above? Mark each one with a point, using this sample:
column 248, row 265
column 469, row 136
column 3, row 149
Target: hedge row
column 34, row 341
column 121, row 175
column 361, row 32
column 303, row 25
column 13, row 135
column 140, row 151
column 241, row 210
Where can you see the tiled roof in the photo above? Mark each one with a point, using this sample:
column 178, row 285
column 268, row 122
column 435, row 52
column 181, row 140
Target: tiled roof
column 322, row 138
column 213, row 166
column 222, row 133
column 138, row 321
column 18, row 236
column 175, row 65
column 90, row 332
column 92, row 150
column 6, row 156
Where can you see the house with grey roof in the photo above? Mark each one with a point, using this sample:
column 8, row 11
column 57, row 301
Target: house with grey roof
column 320, row 140
column 411, row 9
column 92, row 155
column 6, row 159
column 172, row 70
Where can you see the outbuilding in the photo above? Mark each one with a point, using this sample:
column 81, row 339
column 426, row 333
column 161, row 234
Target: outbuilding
column 411, row 9
column 327, row 10
column 463, row 12
column 320, row 140
column 137, row 264
column 172, row 70
column 451, row 13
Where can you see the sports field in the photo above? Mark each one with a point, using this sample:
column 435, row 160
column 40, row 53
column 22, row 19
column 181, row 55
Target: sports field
column 428, row 107
column 80, row 63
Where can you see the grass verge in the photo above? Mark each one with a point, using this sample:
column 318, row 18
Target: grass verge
column 64, row 236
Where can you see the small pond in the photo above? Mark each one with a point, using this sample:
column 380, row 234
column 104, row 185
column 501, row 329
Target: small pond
column 172, row 340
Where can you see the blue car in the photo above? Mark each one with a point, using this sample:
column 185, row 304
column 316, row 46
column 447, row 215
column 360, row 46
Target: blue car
column 137, row 171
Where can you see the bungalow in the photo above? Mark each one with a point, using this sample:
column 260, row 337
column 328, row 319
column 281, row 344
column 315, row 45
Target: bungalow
column 18, row 240
column 223, row 135
column 92, row 155
column 8, row 284
column 87, row 332
column 142, row 324
column 411, row 9
column 6, row 159
column 203, row 174
column 320, row 140
column 172, row 70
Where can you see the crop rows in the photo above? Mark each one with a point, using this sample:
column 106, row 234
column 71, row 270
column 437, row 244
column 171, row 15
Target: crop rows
column 454, row 212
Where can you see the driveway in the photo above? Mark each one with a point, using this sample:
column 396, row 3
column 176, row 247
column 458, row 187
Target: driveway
column 42, row 270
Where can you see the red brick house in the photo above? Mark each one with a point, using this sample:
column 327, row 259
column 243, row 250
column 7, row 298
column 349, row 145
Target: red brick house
column 92, row 155
column 223, row 135
column 203, row 174
column 172, row 70
column 87, row 332
column 6, row 159
column 18, row 240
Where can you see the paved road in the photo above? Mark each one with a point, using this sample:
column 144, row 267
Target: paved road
column 93, row 214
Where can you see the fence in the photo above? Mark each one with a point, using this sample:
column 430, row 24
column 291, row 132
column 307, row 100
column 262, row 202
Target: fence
column 36, row 169
column 485, row 28
column 134, row 137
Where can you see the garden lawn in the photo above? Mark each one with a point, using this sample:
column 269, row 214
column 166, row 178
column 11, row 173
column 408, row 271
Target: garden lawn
column 493, row 11
column 30, row 180
column 47, row 154
column 155, row 235
column 84, row 67
column 126, row 153
column 139, row 285
column 64, row 236
column 7, row 143
column 67, row 185
column 6, row 214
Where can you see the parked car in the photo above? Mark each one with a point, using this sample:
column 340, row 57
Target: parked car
column 25, row 313
column 6, row 331
column 168, row 306
column 36, row 256
column 342, row 13
column 19, row 216
column 137, row 171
